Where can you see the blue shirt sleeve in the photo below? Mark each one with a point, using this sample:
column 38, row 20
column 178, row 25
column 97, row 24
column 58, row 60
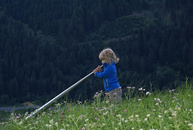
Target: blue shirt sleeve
column 104, row 74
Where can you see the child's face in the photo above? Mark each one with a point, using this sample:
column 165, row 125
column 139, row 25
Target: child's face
column 103, row 60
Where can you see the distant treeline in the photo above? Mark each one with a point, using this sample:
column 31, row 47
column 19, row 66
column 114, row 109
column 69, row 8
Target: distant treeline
column 48, row 45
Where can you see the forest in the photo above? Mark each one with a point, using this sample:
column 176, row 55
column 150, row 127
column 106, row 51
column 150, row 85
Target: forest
column 48, row 45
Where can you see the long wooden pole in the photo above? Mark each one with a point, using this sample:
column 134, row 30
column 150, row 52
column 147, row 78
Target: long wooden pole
column 58, row 96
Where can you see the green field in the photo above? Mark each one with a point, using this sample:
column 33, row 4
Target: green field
column 145, row 110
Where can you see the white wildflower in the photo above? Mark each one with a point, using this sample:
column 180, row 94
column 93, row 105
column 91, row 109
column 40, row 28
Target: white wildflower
column 105, row 113
column 107, row 101
column 158, row 100
column 138, row 120
column 56, row 123
column 51, row 121
column 129, row 87
column 20, row 122
column 79, row 102
column 171, row 90
column 190, row 124
column 174, row 113
column 119, row 115
column 26, row 113
column 58, row 105
column 148, row 93
column 103, row 124
column 176, row 93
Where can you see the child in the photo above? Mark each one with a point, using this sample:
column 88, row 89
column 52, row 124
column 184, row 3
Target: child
column 109, row 75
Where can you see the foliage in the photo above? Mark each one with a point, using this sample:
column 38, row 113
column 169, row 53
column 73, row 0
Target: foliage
column 46, row 46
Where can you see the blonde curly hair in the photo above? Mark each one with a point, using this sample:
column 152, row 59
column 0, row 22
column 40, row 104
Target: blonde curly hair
column 108, row 56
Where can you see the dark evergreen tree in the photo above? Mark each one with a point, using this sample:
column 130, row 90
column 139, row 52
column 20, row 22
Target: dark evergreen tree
column 46, row 46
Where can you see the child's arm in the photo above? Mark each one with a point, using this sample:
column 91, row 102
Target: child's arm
column 105, row 74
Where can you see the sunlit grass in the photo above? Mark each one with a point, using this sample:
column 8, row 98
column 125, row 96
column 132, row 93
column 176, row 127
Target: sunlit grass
column 145, row 110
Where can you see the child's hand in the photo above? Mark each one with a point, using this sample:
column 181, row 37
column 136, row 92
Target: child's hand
column 98, row 69
column 95, row 70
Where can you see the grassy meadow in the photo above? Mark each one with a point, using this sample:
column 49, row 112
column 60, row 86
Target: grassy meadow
column 145, row 110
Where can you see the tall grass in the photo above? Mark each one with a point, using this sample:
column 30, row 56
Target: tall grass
column 169, row 110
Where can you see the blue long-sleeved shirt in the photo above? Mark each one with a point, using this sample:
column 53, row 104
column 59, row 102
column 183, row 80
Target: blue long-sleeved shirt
column 109, row 75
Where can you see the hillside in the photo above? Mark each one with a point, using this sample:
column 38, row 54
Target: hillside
column 146, row 110
column 46, row 46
